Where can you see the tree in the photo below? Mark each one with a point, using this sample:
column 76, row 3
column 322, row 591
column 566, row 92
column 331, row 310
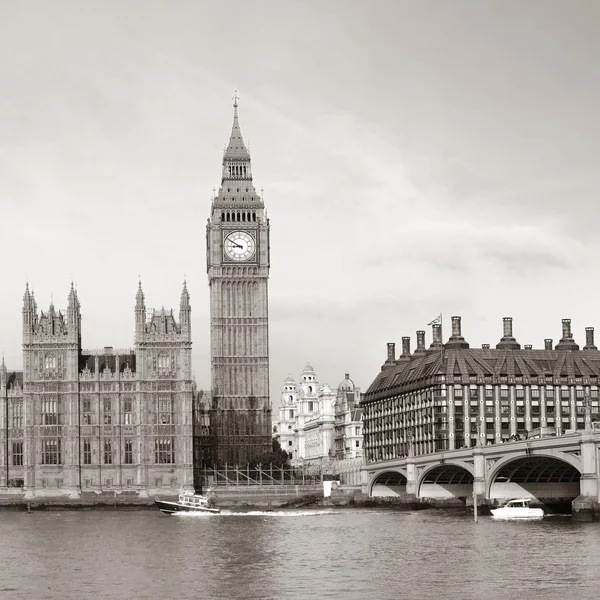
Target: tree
column 278, row 457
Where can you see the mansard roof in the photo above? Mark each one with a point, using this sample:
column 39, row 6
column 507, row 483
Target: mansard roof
column 486, row 364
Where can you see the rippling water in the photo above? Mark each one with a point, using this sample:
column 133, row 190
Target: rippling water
column 350, row 554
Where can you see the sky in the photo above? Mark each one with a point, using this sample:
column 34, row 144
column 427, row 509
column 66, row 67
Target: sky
column 417, row 158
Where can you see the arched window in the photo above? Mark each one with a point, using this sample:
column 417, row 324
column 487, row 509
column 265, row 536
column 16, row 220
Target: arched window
column 163, row 362
column 222, row 216
column 243, row 216
column 228, row 217
column 310, row 390
column 254, row 216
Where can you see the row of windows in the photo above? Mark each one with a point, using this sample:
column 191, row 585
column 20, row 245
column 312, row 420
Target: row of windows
column 237, row 170
column 164, row 452
column 238, row 216
column 50, row 412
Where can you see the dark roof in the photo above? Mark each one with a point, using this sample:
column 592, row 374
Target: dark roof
column 357, row 414
column 88, row 361
column 482, row 362
column 14, row 379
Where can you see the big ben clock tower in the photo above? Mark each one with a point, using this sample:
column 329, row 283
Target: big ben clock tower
column 237, row 256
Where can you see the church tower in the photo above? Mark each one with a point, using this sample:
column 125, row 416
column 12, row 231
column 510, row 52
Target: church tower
column 237, row 238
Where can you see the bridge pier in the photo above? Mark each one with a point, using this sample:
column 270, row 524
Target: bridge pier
column 411, row 477
column 586, row 506
column 479, row 478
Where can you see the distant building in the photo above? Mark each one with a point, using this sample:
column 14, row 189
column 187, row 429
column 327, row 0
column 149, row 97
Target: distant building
column 348, row 421
column 78, row 420
column 317, row 423
column 450, row 396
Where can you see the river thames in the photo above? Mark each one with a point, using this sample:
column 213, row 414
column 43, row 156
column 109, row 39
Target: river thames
column 339, row 553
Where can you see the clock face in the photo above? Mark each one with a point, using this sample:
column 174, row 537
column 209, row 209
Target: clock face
column 239, row 246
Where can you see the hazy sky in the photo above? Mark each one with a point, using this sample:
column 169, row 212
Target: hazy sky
column 416, row 158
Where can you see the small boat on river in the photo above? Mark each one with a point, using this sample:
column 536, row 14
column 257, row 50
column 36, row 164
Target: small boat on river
column 189, row 502
column 517, row 509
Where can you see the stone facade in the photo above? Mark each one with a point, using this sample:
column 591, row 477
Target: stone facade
column 450, row 396
column 238, row 255
column 106, row 420
column 317, row 423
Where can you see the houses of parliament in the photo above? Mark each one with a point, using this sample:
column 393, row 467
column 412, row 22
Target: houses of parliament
column 76, row 420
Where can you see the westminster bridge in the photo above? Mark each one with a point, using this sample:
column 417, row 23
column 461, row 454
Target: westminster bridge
column 554, row 470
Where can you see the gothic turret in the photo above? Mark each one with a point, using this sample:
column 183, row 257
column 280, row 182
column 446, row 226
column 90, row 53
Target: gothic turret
column 29, row 314
column 74, row 314
column 140, row 314
column 185, row 312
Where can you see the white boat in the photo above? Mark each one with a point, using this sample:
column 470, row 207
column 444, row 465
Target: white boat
column 189, row 502
column 517, row 509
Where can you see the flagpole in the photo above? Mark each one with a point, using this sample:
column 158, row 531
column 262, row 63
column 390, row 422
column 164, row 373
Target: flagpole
column 442, row 339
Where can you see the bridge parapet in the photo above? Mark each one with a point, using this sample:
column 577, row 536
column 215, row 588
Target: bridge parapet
column 576, row 451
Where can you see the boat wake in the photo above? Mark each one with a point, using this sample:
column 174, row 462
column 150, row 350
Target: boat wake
column 260, row 513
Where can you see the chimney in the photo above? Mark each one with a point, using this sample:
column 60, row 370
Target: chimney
column 391, row 351
column 589, row 339
column 455, row 326
column 566, row 342
column 485, row 346
column 405, row 348
column 420, row 350
column 391, row 356
column 456, row 340
column 528, row 346
column 436, row 331
column 548, row 344
column 508, row 342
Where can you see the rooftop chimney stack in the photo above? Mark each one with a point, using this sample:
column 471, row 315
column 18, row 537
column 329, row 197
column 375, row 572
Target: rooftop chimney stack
column 436, row 332
column 528, row 346
column 405, row 347
column 391, row 356
column 548, row 344
column 566, row 342
column 507, row 326
column 589, row 339
column 485, row 346
column 508, row 342
column 456, row 340
column 420, row 349
column 455, row 326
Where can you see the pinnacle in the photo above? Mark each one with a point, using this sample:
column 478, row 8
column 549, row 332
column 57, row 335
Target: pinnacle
column 236, row 148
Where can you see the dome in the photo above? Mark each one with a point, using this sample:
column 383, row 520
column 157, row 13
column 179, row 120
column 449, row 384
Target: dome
column 289, row 385
column 308, row 374
column 347, row 385
column 308, row 369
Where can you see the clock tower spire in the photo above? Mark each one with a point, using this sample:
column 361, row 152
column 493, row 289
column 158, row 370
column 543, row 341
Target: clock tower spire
column 237, row 256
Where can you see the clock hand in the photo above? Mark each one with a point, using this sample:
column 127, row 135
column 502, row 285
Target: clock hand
column 234, row 244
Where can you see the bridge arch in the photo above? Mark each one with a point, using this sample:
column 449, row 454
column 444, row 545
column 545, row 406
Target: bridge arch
column 388, row 483
column 450, row 479
column 538, row 474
